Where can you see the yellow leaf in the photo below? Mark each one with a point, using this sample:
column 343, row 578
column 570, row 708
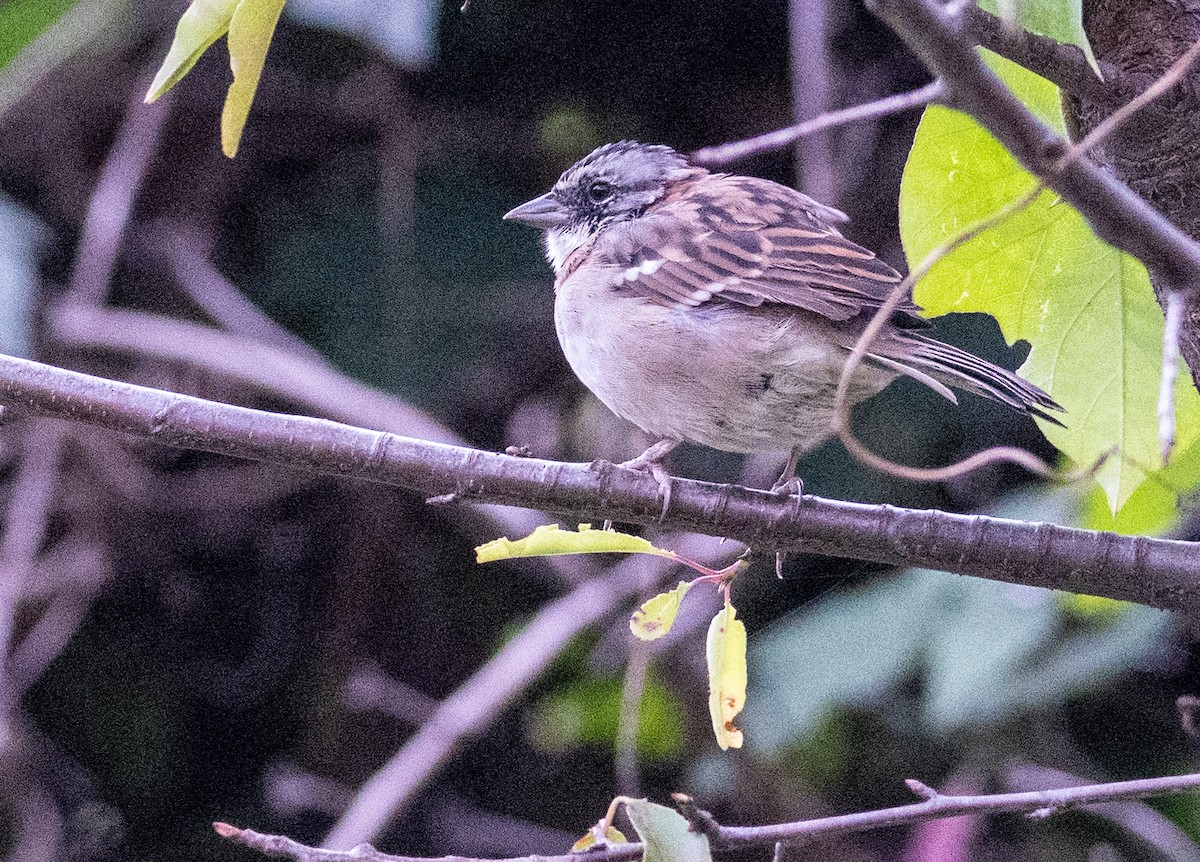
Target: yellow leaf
column 250, row 32
column 726, row 653
column 204, row 22
column 656, row 616
column 550, row 540
column 612, row 835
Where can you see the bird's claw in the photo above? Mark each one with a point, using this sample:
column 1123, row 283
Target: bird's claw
column 660, row 474
column 789, row 487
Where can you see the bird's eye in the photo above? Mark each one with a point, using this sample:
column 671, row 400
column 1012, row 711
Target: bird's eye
column 599, row 191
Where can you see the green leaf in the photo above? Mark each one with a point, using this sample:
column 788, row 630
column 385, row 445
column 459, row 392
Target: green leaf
column 550, row 540
column 1087, row 310
column 656, row 616
column 725, row 650
column 250, row 32
column 1153, row 508
column 666, row 834
column 204, row 22
column 1060, row 20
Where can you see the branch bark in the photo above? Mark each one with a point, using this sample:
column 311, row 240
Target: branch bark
column 1157, row 572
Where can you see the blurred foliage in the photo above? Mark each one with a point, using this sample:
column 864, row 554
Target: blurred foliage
column 22, row 20
column 980, row 653
column 586, row 713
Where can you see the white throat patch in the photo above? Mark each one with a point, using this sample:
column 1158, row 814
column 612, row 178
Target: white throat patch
column 561, row 243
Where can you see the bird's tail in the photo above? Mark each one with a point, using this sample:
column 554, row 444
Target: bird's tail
column 937, row 364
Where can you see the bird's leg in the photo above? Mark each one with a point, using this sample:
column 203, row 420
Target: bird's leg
column 788, row 484
column 650, row 461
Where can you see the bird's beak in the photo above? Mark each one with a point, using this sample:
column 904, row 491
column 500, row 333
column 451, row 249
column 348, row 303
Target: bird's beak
column 543, row 212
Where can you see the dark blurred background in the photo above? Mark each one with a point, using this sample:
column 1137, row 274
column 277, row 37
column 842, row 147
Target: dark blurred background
column 192, row 638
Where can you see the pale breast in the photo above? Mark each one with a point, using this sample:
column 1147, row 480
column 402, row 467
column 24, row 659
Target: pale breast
column 729, row 377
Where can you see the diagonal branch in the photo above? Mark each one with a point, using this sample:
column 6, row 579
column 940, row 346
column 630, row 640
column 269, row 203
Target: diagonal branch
column 1157, row 572
column 1064, row 65
column 724, row 154
column 1114, row 211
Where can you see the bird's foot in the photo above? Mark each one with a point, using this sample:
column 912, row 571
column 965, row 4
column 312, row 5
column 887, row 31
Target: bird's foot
column 661, row 476
column 787, row 485
column 650, row 462
column 792, row 487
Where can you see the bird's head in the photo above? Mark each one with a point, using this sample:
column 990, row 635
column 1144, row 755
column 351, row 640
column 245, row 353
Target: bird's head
column 612, row 183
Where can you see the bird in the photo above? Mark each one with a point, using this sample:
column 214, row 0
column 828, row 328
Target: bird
column 720, row 309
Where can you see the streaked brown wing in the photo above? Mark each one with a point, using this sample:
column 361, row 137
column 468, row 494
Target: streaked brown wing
column 749, row 241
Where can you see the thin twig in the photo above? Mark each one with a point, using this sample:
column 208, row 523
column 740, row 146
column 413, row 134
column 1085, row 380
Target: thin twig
column 840, row 421
column 625, row 769
column 25, row 525
column 112, row 200
column 1157, row 572
column 933, row 806
column 1170, row 370
column 1131, row 815
column 724, row 154
column 808, row 33
column 936, row 805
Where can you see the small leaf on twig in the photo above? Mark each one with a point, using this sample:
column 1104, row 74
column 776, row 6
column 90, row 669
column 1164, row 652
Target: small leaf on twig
column 598, row 836
column 250, row 34
column 550, row 540
column 656, row 616
column 726, row 653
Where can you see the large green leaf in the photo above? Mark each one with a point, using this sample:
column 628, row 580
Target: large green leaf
column 1087, row 310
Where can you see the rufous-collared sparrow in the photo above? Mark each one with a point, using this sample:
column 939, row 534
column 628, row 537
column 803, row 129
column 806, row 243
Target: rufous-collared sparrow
column 721, row 309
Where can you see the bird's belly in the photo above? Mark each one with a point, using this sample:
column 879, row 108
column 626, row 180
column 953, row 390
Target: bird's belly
column 739, row 380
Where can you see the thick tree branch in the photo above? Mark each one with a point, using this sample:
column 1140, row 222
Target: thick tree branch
column 1156, row 572
column 1114, row 211
column 1064, row 65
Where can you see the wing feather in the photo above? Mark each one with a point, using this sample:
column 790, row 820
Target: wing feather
column 749, row 241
